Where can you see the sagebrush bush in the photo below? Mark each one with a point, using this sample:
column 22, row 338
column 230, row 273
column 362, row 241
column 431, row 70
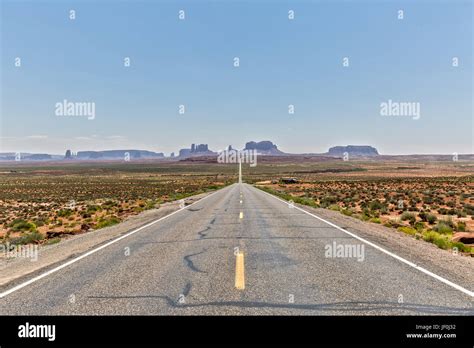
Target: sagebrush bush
column 28, row 238
column 442, row 227
column 106, row 222
column 408, row 216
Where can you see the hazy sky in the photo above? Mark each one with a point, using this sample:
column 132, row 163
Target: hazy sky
column 282, row 62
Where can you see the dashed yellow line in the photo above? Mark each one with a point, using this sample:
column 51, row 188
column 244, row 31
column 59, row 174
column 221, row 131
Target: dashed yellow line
column 241, row 215
column 239, row 271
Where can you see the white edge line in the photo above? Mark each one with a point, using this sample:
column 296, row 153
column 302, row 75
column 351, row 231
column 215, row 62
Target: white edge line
column 409, row 263
column 70, row 262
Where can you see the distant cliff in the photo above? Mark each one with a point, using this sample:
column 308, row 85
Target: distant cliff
column 263, row 147
column 12, row 156
column 117, row 154
column 353, row 150
column 196, row 150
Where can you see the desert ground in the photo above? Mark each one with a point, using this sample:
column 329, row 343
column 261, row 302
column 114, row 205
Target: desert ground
column 431, row 200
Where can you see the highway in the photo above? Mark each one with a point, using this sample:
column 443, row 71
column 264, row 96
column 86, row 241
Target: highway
column 238, row 251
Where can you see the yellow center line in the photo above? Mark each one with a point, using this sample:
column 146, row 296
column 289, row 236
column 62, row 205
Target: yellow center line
column 241, row 215
column 239, row 271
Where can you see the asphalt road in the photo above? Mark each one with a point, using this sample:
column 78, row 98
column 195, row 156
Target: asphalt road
column 186, row 265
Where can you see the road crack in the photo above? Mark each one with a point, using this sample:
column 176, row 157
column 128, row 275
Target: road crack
column 190, row 263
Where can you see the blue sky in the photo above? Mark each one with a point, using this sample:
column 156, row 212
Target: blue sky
column 282, row 62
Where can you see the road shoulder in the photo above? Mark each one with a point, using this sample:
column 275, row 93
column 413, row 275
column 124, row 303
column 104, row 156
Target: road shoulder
column 454, row 267
column 15, row 270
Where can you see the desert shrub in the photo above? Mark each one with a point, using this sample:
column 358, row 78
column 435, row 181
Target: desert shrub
column 304, row 201
column 448, row 222
column 442, row 227
column 442, row 211
column 392, row 224
column 19, row 225
column 427, row 200
column 28, row 238
column 109, row 204
column 363, row 217
column 459, row 213
column 422, row 216
column 408, row 216
column 407, row 230
column 334, row 207
column 149, row 205
column 461, row 226
column 105, row 222
column 40, row 221
column 461, row 247
column 469, row 209
column 91, row 209
column 347, row 212
column 376, row 205
column 442, row 243
column 430, row 236
column 431, row 219
column 54, row 240
column 64, row 213
column 419, row 225
column 328, row 200
column 375, row 220
column 439, row 240
column 375, row 213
